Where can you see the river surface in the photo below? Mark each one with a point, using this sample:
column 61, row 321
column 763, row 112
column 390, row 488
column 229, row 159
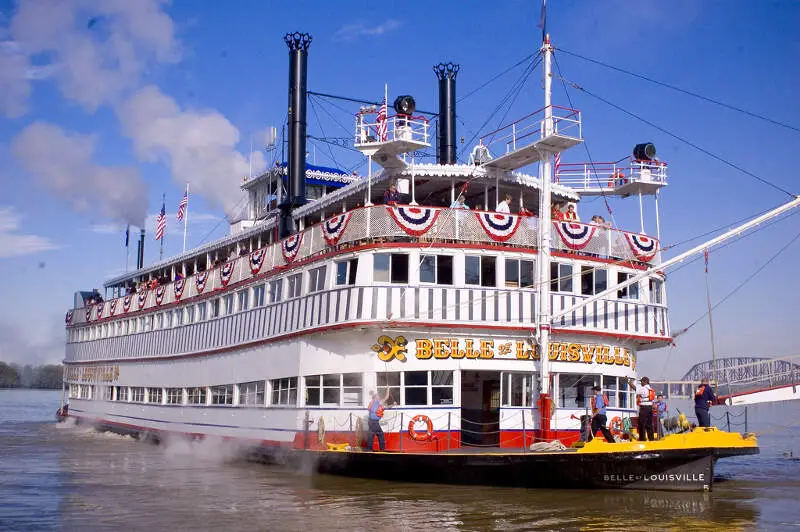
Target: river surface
column 62, row 477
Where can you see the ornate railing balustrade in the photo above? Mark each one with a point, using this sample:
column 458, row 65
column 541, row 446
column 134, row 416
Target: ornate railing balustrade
column 381, row 224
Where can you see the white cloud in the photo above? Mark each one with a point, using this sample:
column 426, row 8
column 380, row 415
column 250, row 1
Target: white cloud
column 359, row 29
column 97, row 49
column 16, row 245
column 198, row 146
column 62, row 163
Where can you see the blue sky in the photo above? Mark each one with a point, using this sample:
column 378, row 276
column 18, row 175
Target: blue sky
column 106, row 106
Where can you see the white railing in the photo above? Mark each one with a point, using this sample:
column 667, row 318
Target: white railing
column 604, row 175
column 530, row 128
column 374, row 225
column 398, row 127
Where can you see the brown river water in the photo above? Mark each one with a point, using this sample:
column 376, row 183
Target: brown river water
column 59, row 477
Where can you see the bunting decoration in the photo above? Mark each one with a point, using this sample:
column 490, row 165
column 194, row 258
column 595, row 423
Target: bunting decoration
column 68, row 317
column 257, row 260
column 126, row 303
column 178, row 286
column 160, row 291
column 142, row 298
column 99, row 313
column 415, row 221
column 290, row 246
column 643, row 247
column 226, row 272
column 499, row 226
column 575, row 235
column 333, row 228
column 88, row 313
column 112, row 307
column 200, row 281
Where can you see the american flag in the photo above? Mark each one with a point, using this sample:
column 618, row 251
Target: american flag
column 182, row 206
column 161, row 222
column 383, row 126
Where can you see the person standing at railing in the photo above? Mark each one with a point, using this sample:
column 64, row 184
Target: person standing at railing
column 505, row 205
column 459, row 203
column 391, row 196
column 703, row 399
column 571, row 214
column 555, row 212
column 659, row 413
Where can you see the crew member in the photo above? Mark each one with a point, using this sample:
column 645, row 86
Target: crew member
column 644, row 396
column 373, row 420
column 599, row 419
column 703, row 399
column 391, row 196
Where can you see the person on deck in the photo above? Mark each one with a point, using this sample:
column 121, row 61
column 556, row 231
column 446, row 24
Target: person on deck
column 505, row 205
column 571, row 214
column 599, row 418
column 644, row 396
column 391, row 196
column 555, row 213
column 659, row 413
column 375, row 409
column 703, row 399
column 459, row 203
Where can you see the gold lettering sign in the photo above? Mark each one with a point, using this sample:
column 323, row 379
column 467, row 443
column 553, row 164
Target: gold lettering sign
column 389, row 349
column 92, row 373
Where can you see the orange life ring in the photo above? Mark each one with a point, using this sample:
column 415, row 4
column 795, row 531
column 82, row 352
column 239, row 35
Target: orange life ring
column 616, row 426
column 420, row 436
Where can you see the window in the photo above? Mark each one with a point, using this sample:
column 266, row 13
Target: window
column 657, row 291
column 436, row 269
column 228, row 302
column 122, row 393
column 215, row 306
column 179, row 317
column 480, row 271
column 284, row 391
column 252, row 393
column 295, row 285
column 154, row 395
column 137, row 394
column 189, row 313
column 391, row 268
column 148, row 323
column 108, row 393
column 519, row 273
column 196, row 396
column 593, row 281
column 415, row 387
column 346, row 272
column 167, row 320
column 258, row 295
column 392, row 381
column 159, row 320
column 560, row 277
column 518, row 389
column 222, row 395
column 275, row 290
column 334, row 389
column 316, row 279
column 629, row 292
column 174, row 396
column 574, row 391
column 441, row 387
column 74, row 391
column 202, row 311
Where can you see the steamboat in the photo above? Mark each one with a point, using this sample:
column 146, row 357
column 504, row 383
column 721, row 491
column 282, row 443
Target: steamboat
column 484, row 327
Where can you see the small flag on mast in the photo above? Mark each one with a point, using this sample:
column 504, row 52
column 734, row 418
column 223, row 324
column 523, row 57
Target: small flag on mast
column 383, row 126
column 161, row 222
column 127, row 235
column 182, row 206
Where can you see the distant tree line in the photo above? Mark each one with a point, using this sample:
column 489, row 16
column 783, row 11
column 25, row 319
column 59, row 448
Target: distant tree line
column 42, row 377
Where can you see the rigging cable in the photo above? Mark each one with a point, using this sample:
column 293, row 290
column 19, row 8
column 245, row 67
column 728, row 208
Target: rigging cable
column 496, row 77
column 684, row 91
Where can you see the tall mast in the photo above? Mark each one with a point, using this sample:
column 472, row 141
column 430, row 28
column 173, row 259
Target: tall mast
column 545, row 227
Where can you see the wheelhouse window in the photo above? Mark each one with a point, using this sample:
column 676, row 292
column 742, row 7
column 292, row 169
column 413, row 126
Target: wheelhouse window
column 657, row 291
column 346, row 272
column 574, row 390
column 252, row 393
column 295, row 285
column 154, row 395
column 391, row 268
column 630, row 291
column 560, row 277
column 284, row 391
column 593, row 280
column 275, row 290
column 196, row 396
column 519, row 273
column 480, row 271
column 437, row 269
column 518, row 389
column 316, row 279
column 174, row 396
column 222, row 395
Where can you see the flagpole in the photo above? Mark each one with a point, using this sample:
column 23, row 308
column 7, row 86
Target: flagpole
column 127, row 246
column 185, row 217
column 164, row 234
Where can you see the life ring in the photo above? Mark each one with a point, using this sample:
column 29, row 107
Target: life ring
column 616, row 427
column 420, row 436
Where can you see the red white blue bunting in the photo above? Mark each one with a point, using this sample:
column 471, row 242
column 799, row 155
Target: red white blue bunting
column 575, row 235
column 499, row 226
column 99, row 313
column 226, row 272
column 415, row 221
column 112, row 307
column 257, row 260
column 142, row 298
column 333, row 228
column 68, row 317
column 178, row 287
column 643, row 247
column 126, row 303
column 160, row 291
column 200, row 281
column 290, row 246
column 88, row 313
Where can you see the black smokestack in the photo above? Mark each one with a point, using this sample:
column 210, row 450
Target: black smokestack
column 298, row 61
column 140, row 252
column 446, row 152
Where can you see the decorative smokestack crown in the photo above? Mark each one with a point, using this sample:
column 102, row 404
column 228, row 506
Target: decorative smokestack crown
column 446, row 70
column 298, row 41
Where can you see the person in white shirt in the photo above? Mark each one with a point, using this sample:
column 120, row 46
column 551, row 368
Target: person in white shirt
column 504, row 206
column 645, row 395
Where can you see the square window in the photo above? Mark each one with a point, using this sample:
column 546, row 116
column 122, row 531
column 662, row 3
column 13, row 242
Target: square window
column 316, row 279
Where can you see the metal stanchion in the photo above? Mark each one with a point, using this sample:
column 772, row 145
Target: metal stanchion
column 400, row 432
